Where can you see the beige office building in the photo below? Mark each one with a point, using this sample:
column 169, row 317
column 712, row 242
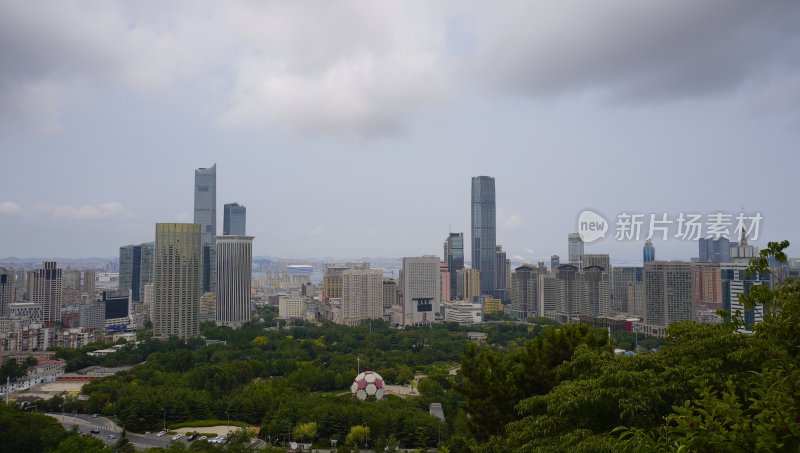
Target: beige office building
column 362, row 295
column 176, row 283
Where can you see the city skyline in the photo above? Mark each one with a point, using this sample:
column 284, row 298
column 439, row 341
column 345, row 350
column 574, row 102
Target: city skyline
column 660, row 119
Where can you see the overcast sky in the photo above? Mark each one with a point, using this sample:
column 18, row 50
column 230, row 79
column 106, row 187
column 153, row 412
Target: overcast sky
column 352, row 128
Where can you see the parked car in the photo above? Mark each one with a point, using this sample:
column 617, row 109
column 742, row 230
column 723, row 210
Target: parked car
column 95, row 416
column 176, row 436
column 161, row 433
column 94, row 431
column 192, row 437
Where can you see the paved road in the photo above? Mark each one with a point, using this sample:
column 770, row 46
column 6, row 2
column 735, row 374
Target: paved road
column 109, row 431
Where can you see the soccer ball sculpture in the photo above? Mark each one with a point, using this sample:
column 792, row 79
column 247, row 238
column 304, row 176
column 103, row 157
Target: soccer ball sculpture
column 368, row 386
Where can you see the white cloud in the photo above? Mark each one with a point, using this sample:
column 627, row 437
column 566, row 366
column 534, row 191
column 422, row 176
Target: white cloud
column 90, row 212
column 9, row 207
column 508, row 222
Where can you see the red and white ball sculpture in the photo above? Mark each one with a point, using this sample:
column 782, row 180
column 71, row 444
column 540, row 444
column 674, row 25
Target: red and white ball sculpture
column 368, row 386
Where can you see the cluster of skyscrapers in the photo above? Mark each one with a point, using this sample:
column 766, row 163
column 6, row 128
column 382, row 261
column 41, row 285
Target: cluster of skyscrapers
column 648, row 297
column 189, row 274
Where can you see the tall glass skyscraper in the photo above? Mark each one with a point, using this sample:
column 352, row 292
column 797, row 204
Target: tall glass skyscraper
column 648, row 252
column 714, row 250
column 205, row 215
column 234, row 219
column 484, row 231
column 454, row 256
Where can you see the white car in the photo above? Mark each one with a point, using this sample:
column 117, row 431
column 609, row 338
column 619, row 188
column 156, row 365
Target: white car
column 176, row 436
column 203, row 438
column 161, row 433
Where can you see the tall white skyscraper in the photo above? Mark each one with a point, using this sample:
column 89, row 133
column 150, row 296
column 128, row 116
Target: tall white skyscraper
column 234, row 274
column 420, row 283
column 176, row 280
column 205, row 215
column 362, row 295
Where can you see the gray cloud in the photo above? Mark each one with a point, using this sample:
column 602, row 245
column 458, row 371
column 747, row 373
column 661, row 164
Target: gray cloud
column 645, row 50
column 354, row 66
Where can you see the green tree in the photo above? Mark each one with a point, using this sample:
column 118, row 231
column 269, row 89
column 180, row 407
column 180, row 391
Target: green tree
column 357, row 436
column 305, row 431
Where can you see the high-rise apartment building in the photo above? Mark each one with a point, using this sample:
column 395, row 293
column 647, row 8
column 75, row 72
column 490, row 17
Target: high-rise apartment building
column 71, row 279
column 636, row 300
column 332, row 278
column 572, row 293
column 176, row 285
column 234, row 219
column 599, row 260
column 454, row 255
column 525, row 293
column 470, row 283
column 648, row 252
column 362, row 295
column 205, row 215
column 502, row 273
column 548, row 295
column 444, row 281
column 88, row 282
column 575, row 248
column 389, row 293
column 420, row 283
column 667, row 292
column 706, row 284
column 598, row 285
column 621, row 277
column 7, row 290
column 234, row 274
column 484, row 231
column 45, row 288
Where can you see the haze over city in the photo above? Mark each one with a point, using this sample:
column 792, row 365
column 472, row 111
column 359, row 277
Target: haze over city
column 352, row 129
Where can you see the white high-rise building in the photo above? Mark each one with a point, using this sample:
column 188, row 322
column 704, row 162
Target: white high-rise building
column 362, row 295
column 176, row 287
column 234, row 274
column 45, row 288
column 420, row 283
